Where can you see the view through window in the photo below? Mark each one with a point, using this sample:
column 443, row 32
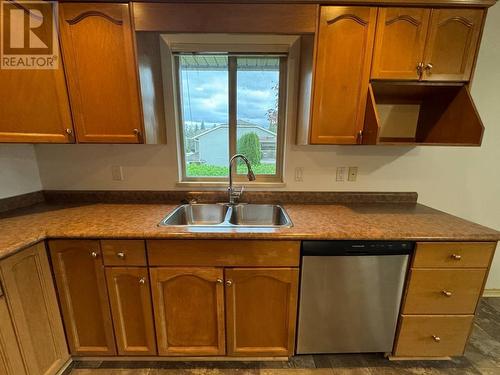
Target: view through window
column 229, row 104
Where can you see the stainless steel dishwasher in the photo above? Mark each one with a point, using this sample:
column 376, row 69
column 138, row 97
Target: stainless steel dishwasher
column 350, row 295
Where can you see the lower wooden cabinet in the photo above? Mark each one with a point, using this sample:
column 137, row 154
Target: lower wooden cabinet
column 37, row 335
column 81, row 285
column 261, row 309
column 189, row 310
column 130, row 299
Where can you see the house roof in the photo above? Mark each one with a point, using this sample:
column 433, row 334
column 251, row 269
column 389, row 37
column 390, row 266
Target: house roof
column 241, row 124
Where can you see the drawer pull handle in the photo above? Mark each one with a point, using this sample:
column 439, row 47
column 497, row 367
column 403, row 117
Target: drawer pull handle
column 436, row 338
column 121, row 255
column 447, row 293
column 94, row 254
column 456, row 256
column 229, row 282
column 219, row 281
column 142, row 280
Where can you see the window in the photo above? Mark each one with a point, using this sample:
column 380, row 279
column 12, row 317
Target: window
column 230, row 100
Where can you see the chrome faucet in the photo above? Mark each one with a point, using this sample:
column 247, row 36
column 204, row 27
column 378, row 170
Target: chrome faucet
column 235, row 195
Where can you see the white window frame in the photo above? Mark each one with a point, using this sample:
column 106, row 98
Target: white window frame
column 289, row 45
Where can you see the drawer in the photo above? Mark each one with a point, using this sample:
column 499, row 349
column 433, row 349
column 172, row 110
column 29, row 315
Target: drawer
column 443, row 291
column 223, row 253
column 433, row 336
column 123, row 252
column 453, row 254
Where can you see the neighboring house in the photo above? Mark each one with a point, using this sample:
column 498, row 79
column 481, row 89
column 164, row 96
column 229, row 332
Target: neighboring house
column 211, row 146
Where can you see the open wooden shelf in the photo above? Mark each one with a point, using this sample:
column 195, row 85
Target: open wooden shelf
column 418, row 113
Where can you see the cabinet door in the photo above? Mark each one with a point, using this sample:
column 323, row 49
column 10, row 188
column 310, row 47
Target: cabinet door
column 81, row 285
column 342, row 69
column 131, row 308
column 261, row 310
column 11, row 362
column 34, row 103
column 399, row 43
column 97, row 44
column 452, row 44
column 189, row 310
column 31, row 297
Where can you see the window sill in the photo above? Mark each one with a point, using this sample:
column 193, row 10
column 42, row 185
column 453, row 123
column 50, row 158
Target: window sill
column 218, row 184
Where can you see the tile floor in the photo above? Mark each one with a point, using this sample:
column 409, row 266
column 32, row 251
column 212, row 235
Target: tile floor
column 482, row 357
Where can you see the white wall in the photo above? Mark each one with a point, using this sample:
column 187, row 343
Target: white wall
column 460, row 180
column 18, row 170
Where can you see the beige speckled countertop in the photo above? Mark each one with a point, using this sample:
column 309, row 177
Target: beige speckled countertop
column 374, row 221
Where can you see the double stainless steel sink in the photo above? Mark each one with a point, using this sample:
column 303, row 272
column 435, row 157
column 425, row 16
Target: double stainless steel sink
column 228, row 216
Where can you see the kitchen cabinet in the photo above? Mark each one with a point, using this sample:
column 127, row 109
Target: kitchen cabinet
column 11, row 362
column 38, row 336
column 445, row 283
column 189, row 310
column 399, row 43
column 425, row 44
column 34, row 102
column 98, row 50
column 81, row 284
column 261, row 309
column 344, row 46
column 131, row 308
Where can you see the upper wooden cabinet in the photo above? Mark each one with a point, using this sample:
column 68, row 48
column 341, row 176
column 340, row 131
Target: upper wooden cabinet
column 452, row 44
column 261, row 309
column 400, row 43
column 343, row 58
column 81, row 285
column 424, row 44
column 34, row 105
column 33, row 306
column 98, row 49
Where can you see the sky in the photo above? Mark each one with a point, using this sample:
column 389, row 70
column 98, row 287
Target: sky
column 205, row 96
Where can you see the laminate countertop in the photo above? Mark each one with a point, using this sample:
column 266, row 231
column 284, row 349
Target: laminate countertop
column 367, row 221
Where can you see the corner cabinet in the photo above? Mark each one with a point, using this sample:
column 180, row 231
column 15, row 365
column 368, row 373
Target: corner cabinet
column 32, row 339
column 81, row 285
column 98, row 50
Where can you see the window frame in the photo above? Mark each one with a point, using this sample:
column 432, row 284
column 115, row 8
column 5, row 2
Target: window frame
column 232, row 45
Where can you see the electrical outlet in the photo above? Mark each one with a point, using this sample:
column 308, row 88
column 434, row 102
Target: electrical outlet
column 340, row 176
column 117, row 173
column 298, row 174
column 353, row 174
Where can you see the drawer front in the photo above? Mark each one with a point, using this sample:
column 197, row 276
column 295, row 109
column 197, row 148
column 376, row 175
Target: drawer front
column 454, row 254
column 443, row 291
column 433, row 336
column 124, row 252
column 221, row 253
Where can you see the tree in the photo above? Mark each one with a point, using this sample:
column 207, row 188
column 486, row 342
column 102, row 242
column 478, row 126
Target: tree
column 249, row 145
column 202, row 126
column 272, row 114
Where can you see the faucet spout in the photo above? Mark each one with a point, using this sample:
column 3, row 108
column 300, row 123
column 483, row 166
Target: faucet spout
column 234, row 196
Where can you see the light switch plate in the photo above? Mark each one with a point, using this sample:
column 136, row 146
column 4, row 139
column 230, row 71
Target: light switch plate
column 340, row 176
column 353, row 174
column 117, row 173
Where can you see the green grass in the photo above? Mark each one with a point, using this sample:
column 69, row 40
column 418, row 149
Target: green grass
column 206, row 170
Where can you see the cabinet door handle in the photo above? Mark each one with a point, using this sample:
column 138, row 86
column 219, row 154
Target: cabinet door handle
column 229, row 282
column 436, row 338
column 420, row 70
column 447, row 293
column 142, row 280
column 219, row 281
column 69, row 131
column 428, row 68
column 136, row 131
column 456, row 256
column 360, row 137
column 94, row 254
column 120, row 255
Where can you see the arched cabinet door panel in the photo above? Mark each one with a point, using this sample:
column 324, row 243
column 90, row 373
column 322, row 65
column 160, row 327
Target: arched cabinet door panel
column 189, row 311
column 261, row 309
column 342, row 69
column 98, row 49
column 399, row 43
column 452, row 44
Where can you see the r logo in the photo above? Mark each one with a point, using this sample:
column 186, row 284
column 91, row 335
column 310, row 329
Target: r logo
column 29, row 35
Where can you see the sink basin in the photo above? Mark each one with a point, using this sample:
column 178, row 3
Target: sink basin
column 228, row 216
column 259, row 215
column 197, row 215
